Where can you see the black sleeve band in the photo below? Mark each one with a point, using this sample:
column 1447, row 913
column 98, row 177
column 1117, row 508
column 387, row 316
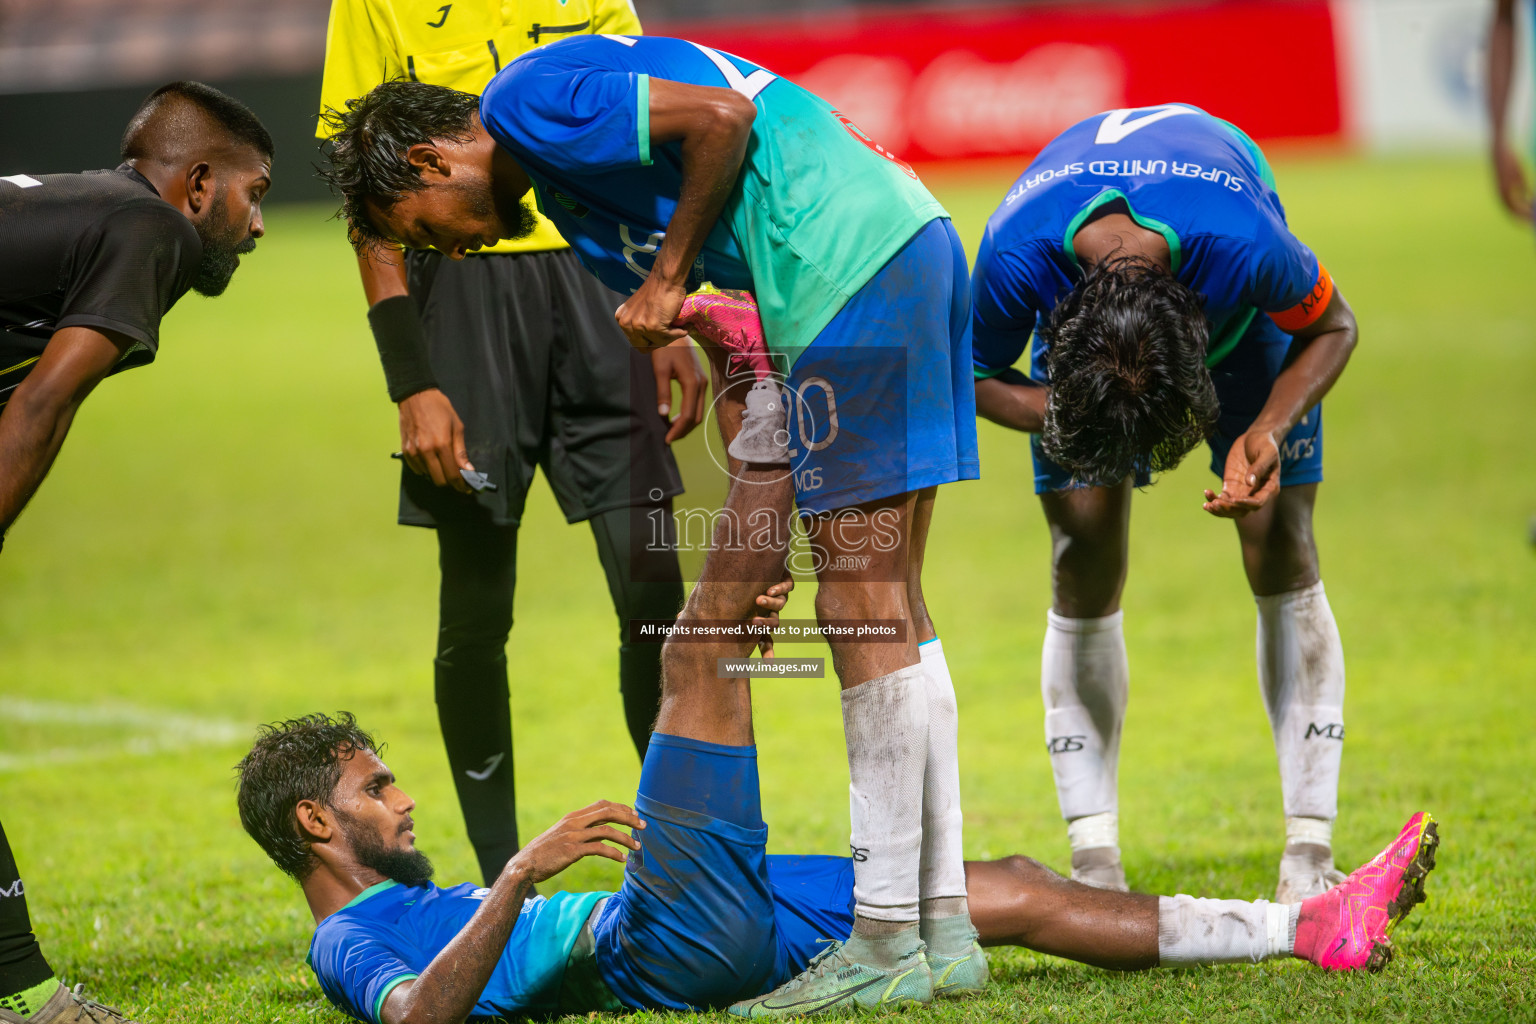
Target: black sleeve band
column 402, row 342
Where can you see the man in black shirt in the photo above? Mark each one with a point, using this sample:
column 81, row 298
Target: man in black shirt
column 89, row 263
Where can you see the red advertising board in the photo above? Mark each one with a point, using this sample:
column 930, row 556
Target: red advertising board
column 962, row 82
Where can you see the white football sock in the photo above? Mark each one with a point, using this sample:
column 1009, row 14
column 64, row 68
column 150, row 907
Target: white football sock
column 1301, row 676
column 885, row 722
column 1196, row 931
column 942, row 876
column 1094, row 830
column 1085, row 681
column 1309, row 830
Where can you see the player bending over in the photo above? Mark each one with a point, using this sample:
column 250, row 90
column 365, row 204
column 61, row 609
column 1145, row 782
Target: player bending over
column 666, row 164
column 1173, row 304
column 704, row 917
column 89, row 263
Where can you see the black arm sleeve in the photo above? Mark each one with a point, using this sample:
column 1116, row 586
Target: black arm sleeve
column 402, row 343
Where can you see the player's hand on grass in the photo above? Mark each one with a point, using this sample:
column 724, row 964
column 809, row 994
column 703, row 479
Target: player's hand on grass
column 677, row 362
column 646, row 316
column 584, row 833
column 769, row 604
column 432, row 439
column 1251, row 479
column 1514, row 189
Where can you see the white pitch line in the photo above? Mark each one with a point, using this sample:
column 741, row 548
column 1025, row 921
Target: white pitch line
column 154, row 731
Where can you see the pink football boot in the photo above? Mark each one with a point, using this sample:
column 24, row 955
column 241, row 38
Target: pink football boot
column 728, row 319
column 1345, row 929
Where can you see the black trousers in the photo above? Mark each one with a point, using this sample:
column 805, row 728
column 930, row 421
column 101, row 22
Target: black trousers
column 526, row 348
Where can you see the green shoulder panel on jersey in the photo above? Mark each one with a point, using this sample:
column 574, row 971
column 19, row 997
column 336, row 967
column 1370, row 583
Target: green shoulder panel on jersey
column 823, row 207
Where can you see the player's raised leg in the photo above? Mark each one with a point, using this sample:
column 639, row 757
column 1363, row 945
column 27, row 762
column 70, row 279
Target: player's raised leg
column 693, row 924
column 1301, row 678
column 1084, row 674
column 747, row 553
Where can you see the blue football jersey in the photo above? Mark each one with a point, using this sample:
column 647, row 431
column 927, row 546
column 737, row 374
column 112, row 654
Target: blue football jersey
column 391, row 932
column 1193, row 178
column 817, row 210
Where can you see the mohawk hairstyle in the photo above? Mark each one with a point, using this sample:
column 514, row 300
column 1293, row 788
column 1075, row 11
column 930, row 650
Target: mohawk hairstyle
column 369, row 140
column 1129, row 386
column 156, row 124
column 298, row 759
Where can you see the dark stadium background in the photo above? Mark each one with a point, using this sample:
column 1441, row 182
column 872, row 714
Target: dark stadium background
column 73, row 71
column 927, row 79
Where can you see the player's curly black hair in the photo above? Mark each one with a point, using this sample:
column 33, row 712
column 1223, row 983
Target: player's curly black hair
column 365, row 156
column 298, row 759
column 1129, row 386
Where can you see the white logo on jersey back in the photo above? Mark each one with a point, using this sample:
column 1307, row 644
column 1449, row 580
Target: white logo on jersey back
column 748, row 85
column 1115, row 127
column 21, row 180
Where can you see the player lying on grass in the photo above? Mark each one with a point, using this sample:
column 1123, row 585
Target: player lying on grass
column 704, row 917
column 1149, row 252
column 89, row 263
column 666, row 164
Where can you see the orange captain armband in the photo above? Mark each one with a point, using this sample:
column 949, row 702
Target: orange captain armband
column 1306, row 312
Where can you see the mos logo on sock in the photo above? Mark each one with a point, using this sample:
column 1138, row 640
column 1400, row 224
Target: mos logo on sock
column 1325, row 730
column 1064, row 744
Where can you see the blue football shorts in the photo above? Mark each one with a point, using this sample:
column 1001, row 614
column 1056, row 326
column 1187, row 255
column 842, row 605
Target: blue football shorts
column 705, row 917
column 884, row 401
column 1243, row 381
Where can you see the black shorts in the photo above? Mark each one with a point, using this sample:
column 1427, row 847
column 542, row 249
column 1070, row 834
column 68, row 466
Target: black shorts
column 526, row 348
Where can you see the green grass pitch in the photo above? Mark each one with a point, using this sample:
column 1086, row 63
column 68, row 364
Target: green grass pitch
column 216, row 548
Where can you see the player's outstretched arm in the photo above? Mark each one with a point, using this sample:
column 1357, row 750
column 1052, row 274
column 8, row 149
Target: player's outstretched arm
column 1012, row 400
column 1318, row 354
column 448, row 989
column 713, row 126
column 33, row 424
column 1514, row 189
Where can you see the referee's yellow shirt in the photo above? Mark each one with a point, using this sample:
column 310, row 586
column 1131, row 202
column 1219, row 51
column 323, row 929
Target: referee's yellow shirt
column 460, row 45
